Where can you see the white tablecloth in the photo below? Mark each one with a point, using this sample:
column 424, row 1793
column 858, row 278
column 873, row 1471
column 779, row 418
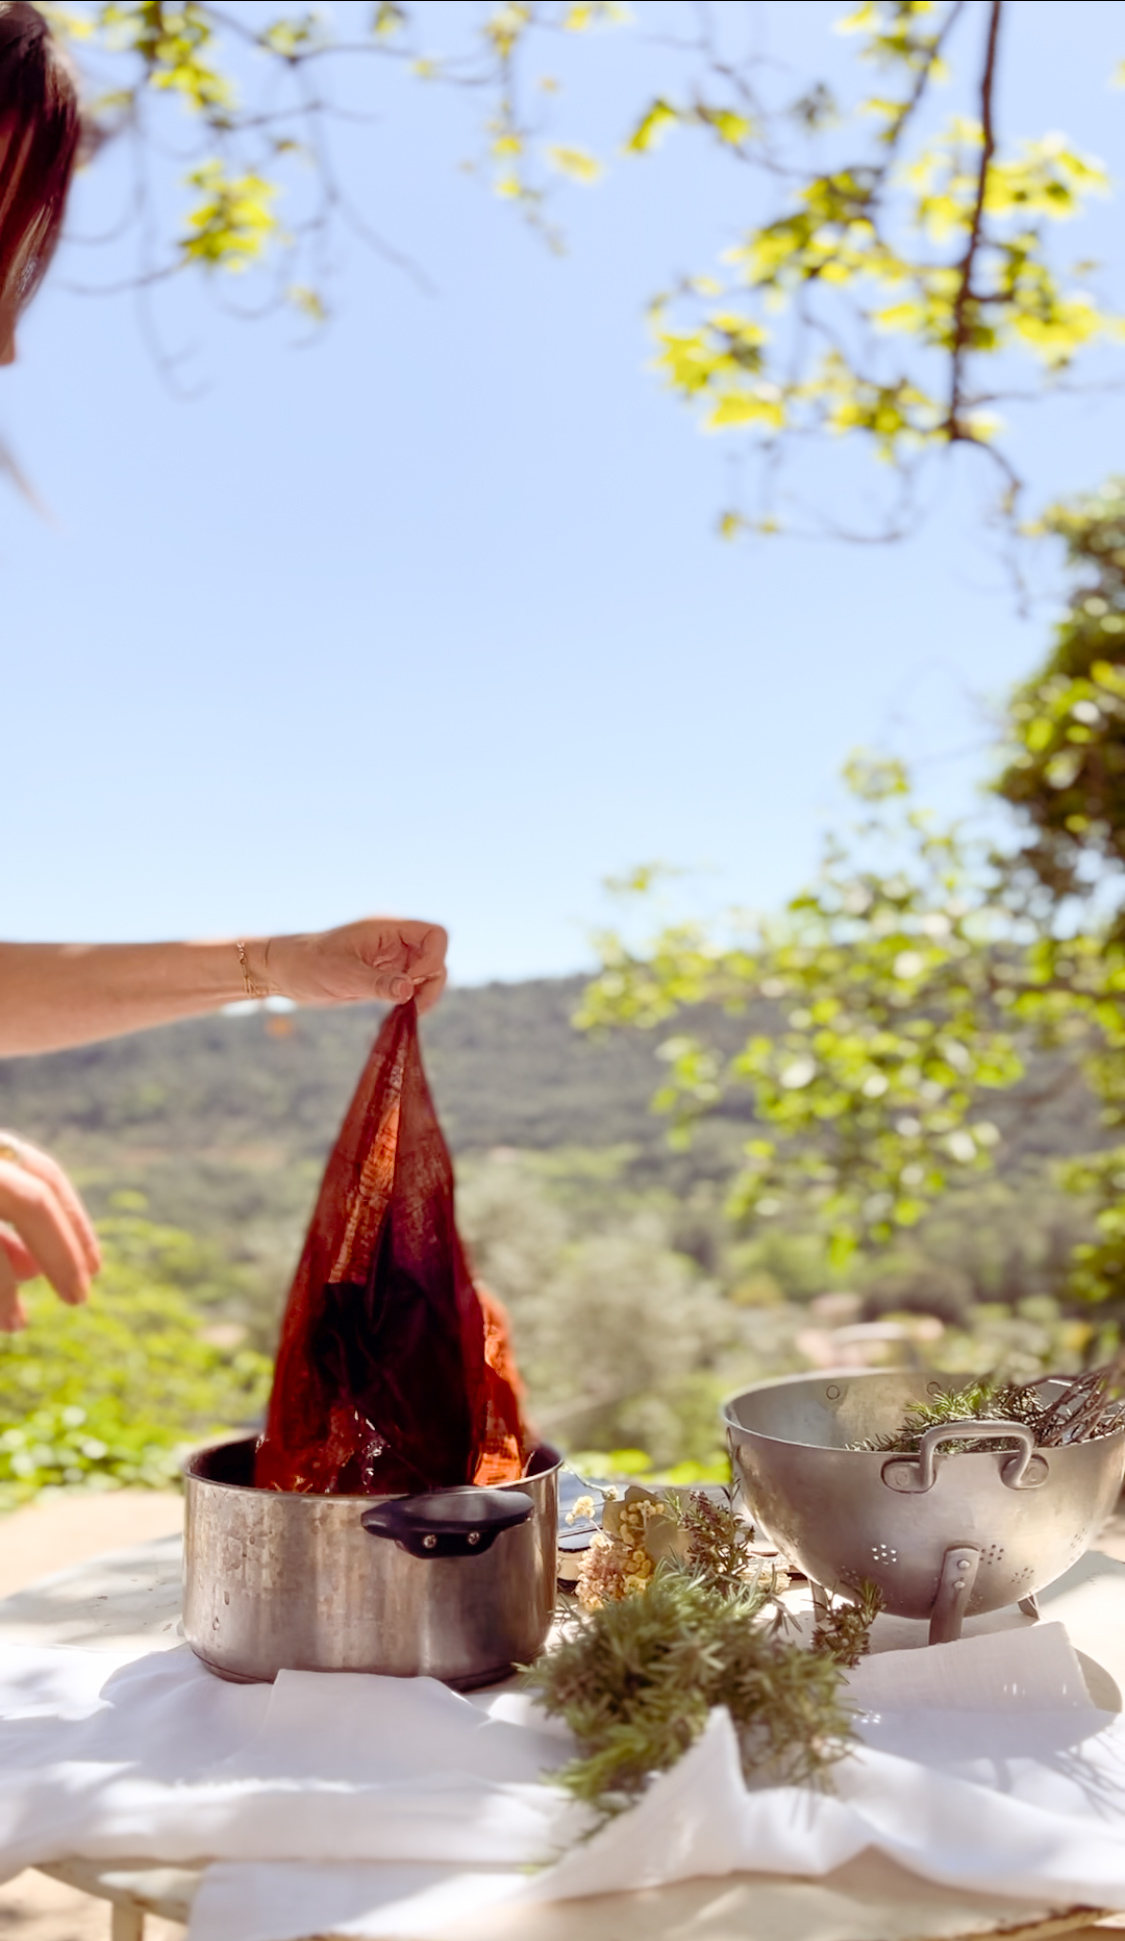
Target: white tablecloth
column 384, row 1807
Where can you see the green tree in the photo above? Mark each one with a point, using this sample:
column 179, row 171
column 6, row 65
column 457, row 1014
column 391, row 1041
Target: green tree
column 618, row 1334
column 895, row 998
column 1065, row 769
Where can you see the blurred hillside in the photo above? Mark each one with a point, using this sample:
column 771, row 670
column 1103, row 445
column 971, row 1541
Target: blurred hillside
column 507, row 1068
column 505, row 1064
column 225, row 1120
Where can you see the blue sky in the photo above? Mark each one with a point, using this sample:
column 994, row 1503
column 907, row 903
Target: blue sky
column 430, row 616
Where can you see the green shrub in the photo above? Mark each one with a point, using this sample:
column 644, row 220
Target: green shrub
column 64, row 1446
column 110, row 1394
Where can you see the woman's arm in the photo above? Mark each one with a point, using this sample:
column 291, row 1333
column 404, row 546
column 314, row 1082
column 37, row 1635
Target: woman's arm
column 53, row 995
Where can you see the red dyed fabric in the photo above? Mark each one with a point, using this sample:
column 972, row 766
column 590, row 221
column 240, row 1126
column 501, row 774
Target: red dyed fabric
column 394, row 1374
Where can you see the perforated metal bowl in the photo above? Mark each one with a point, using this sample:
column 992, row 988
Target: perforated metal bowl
column 944, row 1535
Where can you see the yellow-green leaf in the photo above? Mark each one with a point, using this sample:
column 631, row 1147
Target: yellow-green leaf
column 578, row 163
column 652, row 126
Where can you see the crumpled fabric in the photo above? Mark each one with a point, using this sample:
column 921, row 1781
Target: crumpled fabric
column 394, row 1373
column 393, row 1807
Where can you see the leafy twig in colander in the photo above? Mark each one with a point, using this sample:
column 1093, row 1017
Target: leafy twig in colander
column 1086, row 1409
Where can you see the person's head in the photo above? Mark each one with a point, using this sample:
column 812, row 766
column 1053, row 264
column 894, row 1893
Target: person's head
column 40, row 128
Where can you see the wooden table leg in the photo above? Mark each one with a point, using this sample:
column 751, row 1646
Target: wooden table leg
column 127, row 1922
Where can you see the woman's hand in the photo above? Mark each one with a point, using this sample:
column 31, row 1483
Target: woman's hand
column 380, row 957
column 44, row 1229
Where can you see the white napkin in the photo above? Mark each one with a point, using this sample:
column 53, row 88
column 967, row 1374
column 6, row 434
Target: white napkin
column 158, row 1758
column 700, row 1819
column 983, row 1765
column 1025, row 1671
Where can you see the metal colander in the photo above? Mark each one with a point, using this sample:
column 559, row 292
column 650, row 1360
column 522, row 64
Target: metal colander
column 945, row 1535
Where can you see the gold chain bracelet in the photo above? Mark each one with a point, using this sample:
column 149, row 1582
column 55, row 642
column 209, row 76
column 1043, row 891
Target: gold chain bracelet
column 253, row 988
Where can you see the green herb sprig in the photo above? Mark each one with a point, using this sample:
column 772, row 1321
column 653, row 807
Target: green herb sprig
column 843, row 1631
column 636, row 1679
column 718, row 1543
column 1086, row 1408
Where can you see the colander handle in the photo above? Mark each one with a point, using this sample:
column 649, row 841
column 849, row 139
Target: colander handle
column 915, row 1474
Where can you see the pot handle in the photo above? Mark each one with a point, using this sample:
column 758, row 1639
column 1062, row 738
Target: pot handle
column 448, row 1522
column 915, row 1474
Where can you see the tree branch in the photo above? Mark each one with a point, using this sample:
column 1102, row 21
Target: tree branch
column 913, row 102
column 965, row 301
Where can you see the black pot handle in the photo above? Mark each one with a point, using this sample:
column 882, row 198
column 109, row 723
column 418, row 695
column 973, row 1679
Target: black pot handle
column 448, row 1522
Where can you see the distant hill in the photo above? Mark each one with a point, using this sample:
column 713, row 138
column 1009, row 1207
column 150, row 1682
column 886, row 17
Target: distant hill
column 225, row 1120
column 505, row 1063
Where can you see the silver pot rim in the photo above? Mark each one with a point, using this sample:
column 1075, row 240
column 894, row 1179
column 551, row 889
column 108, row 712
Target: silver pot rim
column 543, row 1461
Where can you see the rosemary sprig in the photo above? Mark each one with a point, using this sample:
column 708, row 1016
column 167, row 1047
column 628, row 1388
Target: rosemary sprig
column 718, row 1543
column 843, row 1631
column 1086, row 1409
column 636, row 1678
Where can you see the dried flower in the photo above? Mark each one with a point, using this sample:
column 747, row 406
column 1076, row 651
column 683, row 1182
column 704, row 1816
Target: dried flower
column 646, row 1530
column 637, row 1534
column 601, row 1576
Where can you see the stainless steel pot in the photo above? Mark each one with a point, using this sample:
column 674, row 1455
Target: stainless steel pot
column 944, row 1535
column 457, row 1585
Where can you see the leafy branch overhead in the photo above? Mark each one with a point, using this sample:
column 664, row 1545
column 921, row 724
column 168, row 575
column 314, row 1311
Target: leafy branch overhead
column 896, row 282
column 889, row 294
column 261, row 103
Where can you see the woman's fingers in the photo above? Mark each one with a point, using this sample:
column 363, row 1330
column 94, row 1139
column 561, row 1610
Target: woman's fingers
column 40, row 1164
column 425, row 953
column 418, row 964
column 404, row 959
column 30, row 1205
column 387, row 958
column 46, row 1230
column 429, row 989
column 12, row 1316
column 22, row 1263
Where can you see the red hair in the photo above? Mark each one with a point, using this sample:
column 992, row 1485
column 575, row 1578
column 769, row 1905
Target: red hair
column 40, row 119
